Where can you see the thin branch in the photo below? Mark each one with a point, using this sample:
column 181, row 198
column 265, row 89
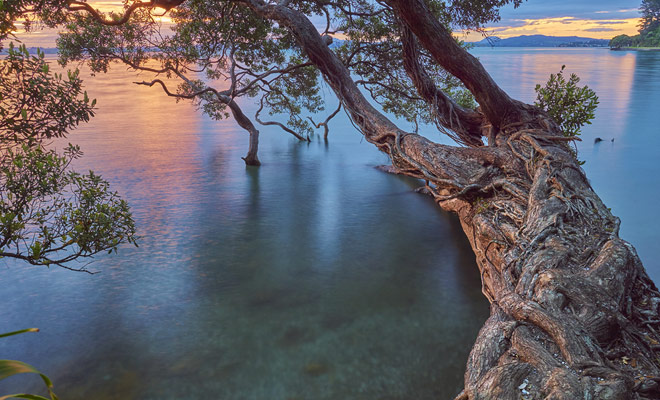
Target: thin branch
column 275, row 123
column 47, row 262
column 82, row 6
column 324, row 124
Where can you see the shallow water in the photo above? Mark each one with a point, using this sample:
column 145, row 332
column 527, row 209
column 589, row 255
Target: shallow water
column 313, row 277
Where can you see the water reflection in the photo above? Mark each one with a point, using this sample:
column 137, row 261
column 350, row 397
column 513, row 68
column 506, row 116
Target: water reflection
column 609, row 73
column 313, row 277
column 627, row 169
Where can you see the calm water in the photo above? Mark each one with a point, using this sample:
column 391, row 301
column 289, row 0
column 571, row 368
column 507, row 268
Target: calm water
column 312, row 277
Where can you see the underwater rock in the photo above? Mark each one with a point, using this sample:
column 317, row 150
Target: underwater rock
column 316, row 369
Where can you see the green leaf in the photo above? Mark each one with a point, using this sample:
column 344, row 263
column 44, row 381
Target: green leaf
column 24, row 113
column 12, row 367
column 24, row 396
column 19, row 332
column 36, row 249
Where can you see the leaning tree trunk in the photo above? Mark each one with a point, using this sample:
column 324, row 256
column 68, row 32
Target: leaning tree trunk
column 573, row 313
column 244, row 122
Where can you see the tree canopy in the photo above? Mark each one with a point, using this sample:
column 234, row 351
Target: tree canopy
column 243, row 55
column 649, row 28
column 650, row 10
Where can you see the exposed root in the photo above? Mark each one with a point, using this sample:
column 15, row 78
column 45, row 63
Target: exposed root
column 574, row 314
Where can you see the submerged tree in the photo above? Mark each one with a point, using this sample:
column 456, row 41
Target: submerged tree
column 573, row 313
column 229, row 45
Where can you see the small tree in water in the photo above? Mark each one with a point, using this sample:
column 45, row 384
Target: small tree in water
column 569, row 105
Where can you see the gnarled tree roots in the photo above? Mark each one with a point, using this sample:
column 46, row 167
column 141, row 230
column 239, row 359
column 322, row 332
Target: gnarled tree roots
column 573, row 313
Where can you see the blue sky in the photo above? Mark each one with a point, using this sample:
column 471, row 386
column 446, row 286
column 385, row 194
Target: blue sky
column 601, row 9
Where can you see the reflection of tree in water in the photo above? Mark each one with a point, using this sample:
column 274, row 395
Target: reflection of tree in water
column 271, row 293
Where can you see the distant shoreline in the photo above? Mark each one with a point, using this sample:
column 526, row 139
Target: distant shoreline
column 53, row 50
column 635, row 48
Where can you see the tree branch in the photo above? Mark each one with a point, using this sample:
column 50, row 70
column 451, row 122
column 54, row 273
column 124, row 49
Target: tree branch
column 83, row 6
column 465, row 123
column 275, row 123
column 498, row 107
column 324, row 124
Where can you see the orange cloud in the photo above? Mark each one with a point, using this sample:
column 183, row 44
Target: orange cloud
column 565, row 26
column 106, row 5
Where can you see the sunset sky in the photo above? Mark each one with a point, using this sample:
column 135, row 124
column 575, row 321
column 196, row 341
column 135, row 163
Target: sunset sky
column 602, row 19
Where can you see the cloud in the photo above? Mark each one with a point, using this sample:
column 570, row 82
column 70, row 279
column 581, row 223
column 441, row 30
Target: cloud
column 600, row 30
column 107, row 5
column 624, row 10
column 566, row 26
column 590, row 10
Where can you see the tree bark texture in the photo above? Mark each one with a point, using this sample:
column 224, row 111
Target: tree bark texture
column 573, row 313
column 244, row 122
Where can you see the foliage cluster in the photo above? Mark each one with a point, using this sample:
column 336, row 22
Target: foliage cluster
column 646, row 38
column 569, row 105
column 50, row 215
column 242, row 54
column 650, row 10
column 217, row 52
column 9, row 368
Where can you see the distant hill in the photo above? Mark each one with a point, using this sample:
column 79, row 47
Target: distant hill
column 33, row 50
column 542, row 41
